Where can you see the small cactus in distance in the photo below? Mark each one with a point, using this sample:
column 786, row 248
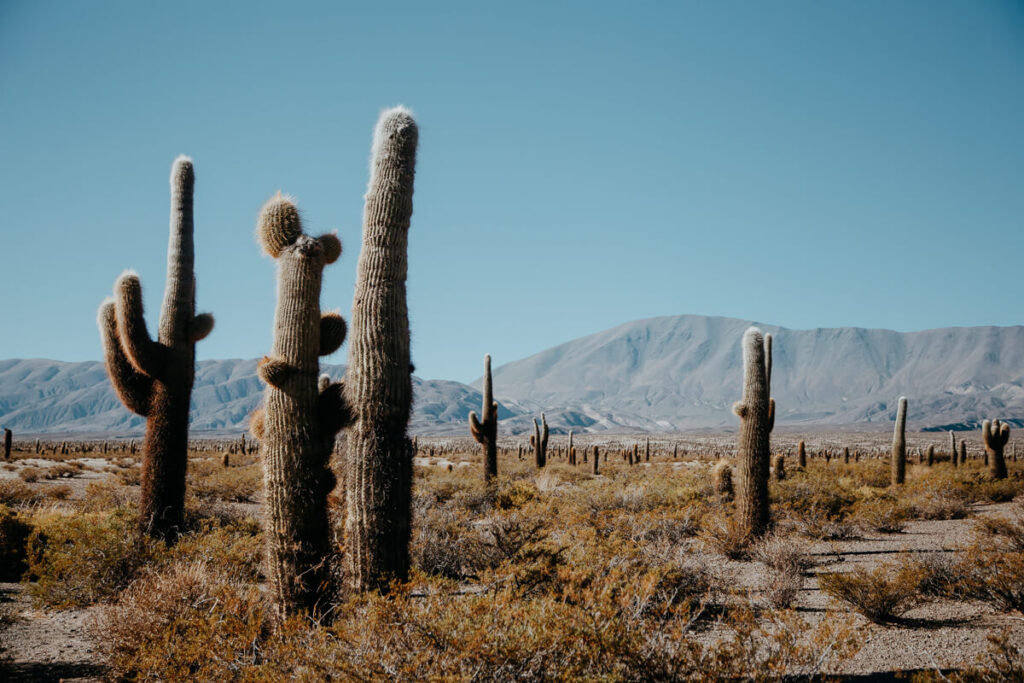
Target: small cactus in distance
column 485, row 429
column 952, row 448
column 753, row 514
column 930, row 456
column 899, row 445
column 539, row 442
column 779, row 467
column 378, row 383
column 801, row 454
column 8, row 439
column 597, row 458
column 721, row 480
column 995, row 435
column 301, row 414
column 153, row 378
column 963, row 451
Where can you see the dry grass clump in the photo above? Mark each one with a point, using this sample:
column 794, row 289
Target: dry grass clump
column 211, row 480
column 725, row 536
column 786, row 559
column 882, row 594
column 885, row 514
column 13, row 492
column 30, row 475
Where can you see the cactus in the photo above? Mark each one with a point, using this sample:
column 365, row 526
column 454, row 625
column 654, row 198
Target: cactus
column 154, row 378
column 378, row 385
column 485, row 429
column 647, row 449
column 846, row 455
column 899, row 444
column 721, row 480
column 539, row 442
column 300, row 416
column 779, row 467
column 952, row 448
column 752, row 511
column 597, row 459
column 571, row 451
column 8, row 439
column 930, row 457
column 995, row 436
column 801, row 454
column 768, row 381
column 963, row 451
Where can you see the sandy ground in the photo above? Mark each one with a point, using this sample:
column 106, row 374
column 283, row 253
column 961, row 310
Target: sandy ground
column 56, row 645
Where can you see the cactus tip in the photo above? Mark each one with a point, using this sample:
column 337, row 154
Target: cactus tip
column 279, row 224
column 396, row 122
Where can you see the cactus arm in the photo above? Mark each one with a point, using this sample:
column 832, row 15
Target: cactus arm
column 771, row 412
column 331, row 246
column 332, row 333
column 145, row 355
column 740, row 409
column 200, row 328
column 275, row 371
column 475, row 428
column 179, row 306
column 333, row 411
column 257, row 425
column 133, row 388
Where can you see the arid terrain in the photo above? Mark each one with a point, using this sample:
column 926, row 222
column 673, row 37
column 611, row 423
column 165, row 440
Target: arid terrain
column 632, row 573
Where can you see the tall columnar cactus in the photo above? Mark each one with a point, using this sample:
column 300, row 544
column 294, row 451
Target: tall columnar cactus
column 8, row 439
column 995, row 436
column 930, row 457
column 539, row 442
column 597, row 458
column 153, row 378
column 963, row 451
column 485, row 429
column 301, row 414
column 752, row 510
column 801, row 454
column 899, row 444
column 952, row 448
column 378, row 385
column 768, row 380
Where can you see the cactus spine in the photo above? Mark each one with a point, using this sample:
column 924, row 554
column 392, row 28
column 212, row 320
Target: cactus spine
column 485, row 429
column 899, row 444
column 753, row 513
column 154, row 378
column 995, row 436
column 301, row 415
column 378, row 387
column 539, row 442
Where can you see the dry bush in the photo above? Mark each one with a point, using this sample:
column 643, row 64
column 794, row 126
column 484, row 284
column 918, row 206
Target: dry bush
column 80, row 559
column 13, row 492
column 14, row 533
column 992, row 567
column 232, row 484
column 232, row 547
column 785, row 554
column 106, row 495
column 63, row 470
column 938, row 505
column 882, row 595
column 30, row 475
column 883, row 514
column 59, row 492
column 725, row 536
column 442, row 544
column 129, row 476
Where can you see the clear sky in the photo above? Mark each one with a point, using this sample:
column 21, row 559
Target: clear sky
column 581, row 165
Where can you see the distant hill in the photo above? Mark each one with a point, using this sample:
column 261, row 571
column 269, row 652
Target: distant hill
column 685, row 372
column 662, row 374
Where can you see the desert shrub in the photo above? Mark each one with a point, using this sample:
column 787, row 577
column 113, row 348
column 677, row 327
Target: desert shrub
column 234, row 547
column 938, row 505
column 882, row 594
column 444, row 545
column 995, row 577
column 13, row 492
column 30, row 475
column 784, row 554
column 818, row 525
column 1000, row 533
column 63, row 470
column 781, row 588
column 59, row 492
column 515, row 495
column 129, row 476
column 999, row 491
column 80, row 559
column 726, row 537
column 233, row 484
column 106, row 495
column 817, row 492
column 883, row 514
column 14, row 533
column 185, row 623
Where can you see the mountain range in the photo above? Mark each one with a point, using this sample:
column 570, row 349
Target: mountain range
column 660, row 374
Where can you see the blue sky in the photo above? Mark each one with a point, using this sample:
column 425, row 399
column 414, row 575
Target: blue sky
column 581, row 165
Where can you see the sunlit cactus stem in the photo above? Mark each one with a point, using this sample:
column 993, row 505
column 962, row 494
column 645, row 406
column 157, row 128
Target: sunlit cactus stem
column 899, row 445
column 300, row 416
column 963, row 451
column 753, row 514
column 485, row 428
column 154, row 378
column 995, row 435
column 378, row 386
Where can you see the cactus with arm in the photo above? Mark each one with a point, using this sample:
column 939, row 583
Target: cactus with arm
column 153, row 378
column 752, row 510
column 995, row 435
column 301, row 414
column 485, row 428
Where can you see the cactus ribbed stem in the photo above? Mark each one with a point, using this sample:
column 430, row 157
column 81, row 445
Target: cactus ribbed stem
column 300, row 415
column 995, row 436
column 379, row 377
column 801, row 454
column 899, row 444
column 485, row 428
column 539, row 442
column 154, row 378
column 752, row 510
